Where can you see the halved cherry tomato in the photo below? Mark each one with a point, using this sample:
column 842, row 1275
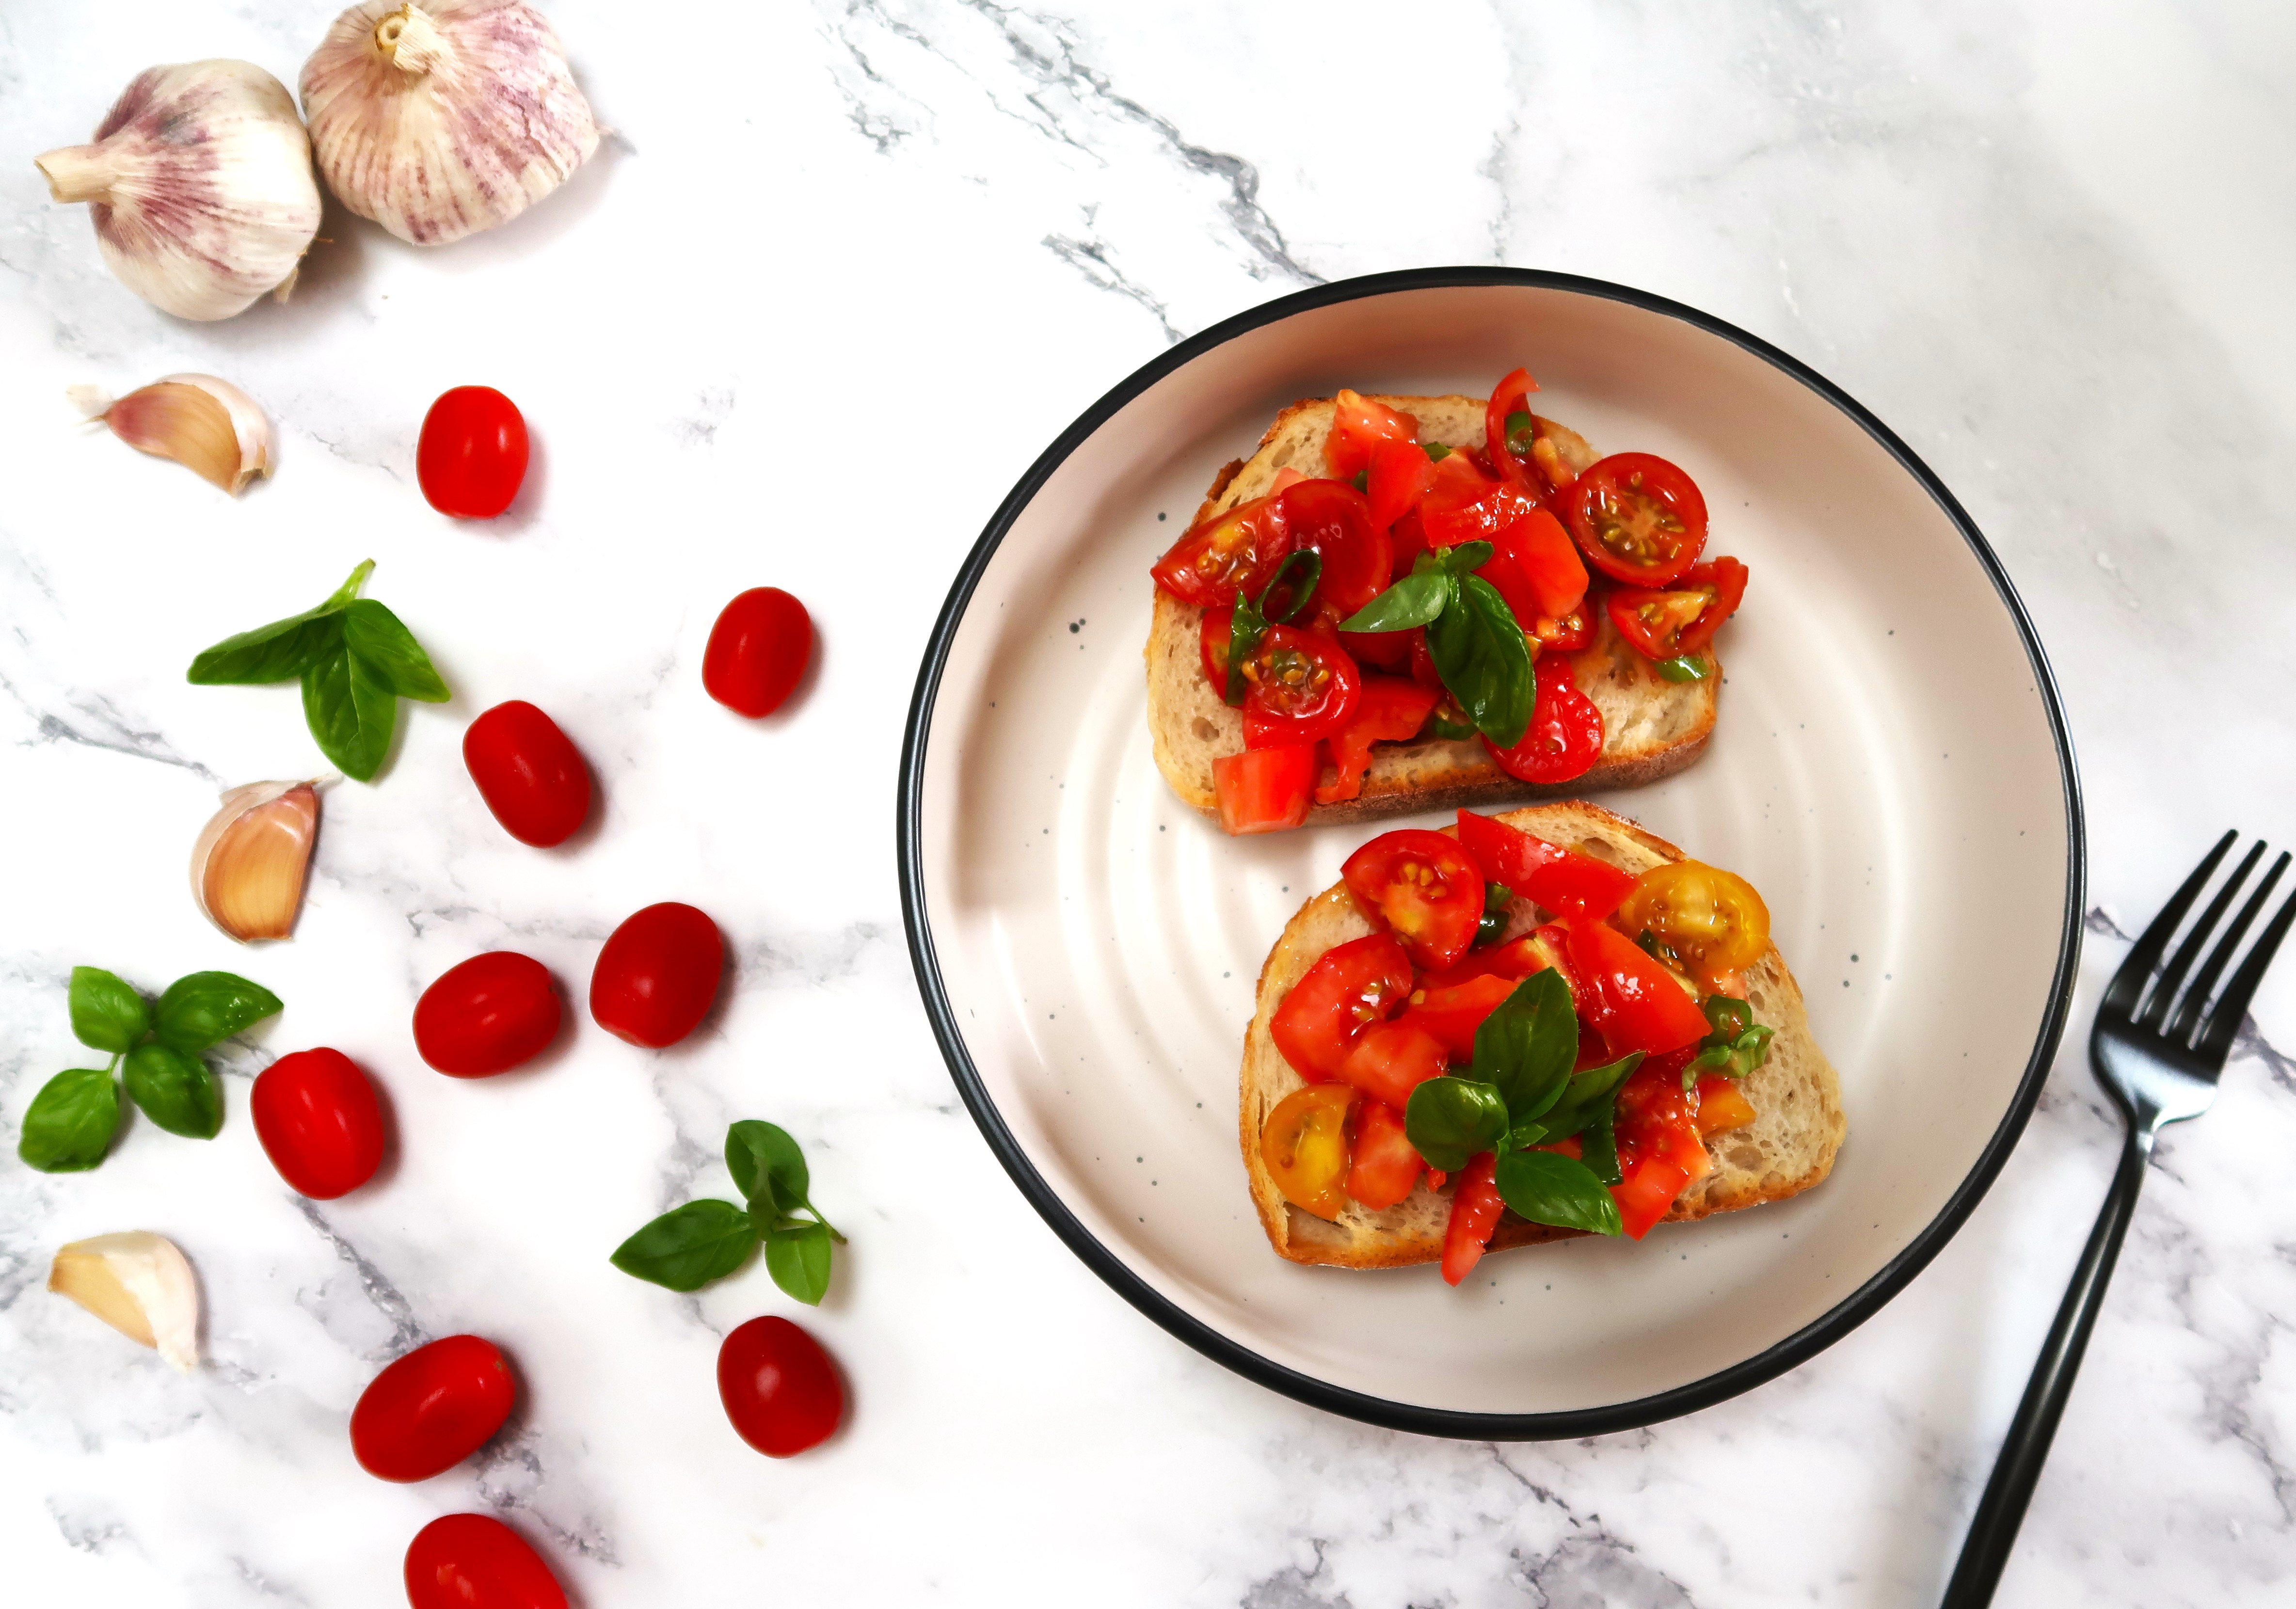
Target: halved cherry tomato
column 1561, row 881
column 1542, row 550
column 1385, row 1166
column 1401, row 473
column 1722, row 1105
column 319, row 1122
column 1300, row 686
column 758, row 651
column 1230, row 552
column 473, row 1561
column 1331, row 520
column 1218, row 631
column 530, row 775
column 1464, row 505
column 1451, row 1014
column 1640, row 1005
column 1637, row 519
column 1390, row 709
column 1265, row 790
column 433, row 1409
column 658, row 975
column 1727, row 578
column 1351, row 987
column 1304, row 1146
column 486, row 1015
column 780, row 1390
column 1564, row 738
column 1660, row 1153
column 1391, row 1060
column 1421, row 887
column 1475, row 1209
column 1712, row 921
column 1358, row 426
column 1509, row 397
column 1684, row 617
column 471, row 458
column 1570, row 634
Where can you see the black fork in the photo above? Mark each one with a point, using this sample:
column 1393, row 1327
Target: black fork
column 2157, row 1057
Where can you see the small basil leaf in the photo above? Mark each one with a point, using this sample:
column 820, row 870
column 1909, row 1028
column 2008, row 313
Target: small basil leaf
column 374, row 634
column 1598, row 1144
column 1525, row 1048
column 1295, row 594
column 1524, row 1136
column 1414, row 601
column 70, row 1122
column 1461, row 558
column 1436, row 451
column 1453, row 731
column 1590, row 1093
column 1481, row 653
column 350, row 710
column 768, row 1169
column 1683, row 667
column 1244, row 635
column 1450, row 1120
column 1550, row 1189
column 1726, row 1017
column 204, row 1009
column 106, row 1013
column 284, row 649
column 797, row 1255
column 175, row 1090
column 687, row 1247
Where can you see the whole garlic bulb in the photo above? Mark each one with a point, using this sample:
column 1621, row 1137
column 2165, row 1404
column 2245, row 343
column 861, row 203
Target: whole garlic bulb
column 437, row 121
column 199, row 184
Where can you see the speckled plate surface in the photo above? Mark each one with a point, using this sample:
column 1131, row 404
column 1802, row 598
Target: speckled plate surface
column 1890, row 769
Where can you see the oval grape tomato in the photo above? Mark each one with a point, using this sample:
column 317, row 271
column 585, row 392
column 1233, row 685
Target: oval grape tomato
column 488, row 1015
column 758, row 651
column 531, row 777
column 473, row 1561
column 319, row 1122
column 433, row 1409
column 472, row 458
column 779, row 1388
column 658, row 975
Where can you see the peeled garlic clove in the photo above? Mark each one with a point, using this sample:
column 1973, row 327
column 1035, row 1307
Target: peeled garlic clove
column 442, row 119
column 208, row 425
column 248, row 866
column 199, row 184
column 140, row 1284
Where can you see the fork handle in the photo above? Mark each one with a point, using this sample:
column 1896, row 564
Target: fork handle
column 2002, row 1509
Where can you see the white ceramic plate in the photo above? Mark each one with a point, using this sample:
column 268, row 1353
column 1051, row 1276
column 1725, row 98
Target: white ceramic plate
column 1890, row 769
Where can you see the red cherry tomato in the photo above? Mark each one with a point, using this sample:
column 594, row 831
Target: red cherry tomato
column 1569, row 632
column 1421, row 887
column 1230, row 552
column 1298, row 686
column 1541, row 549
column 1559, row 880
column 1564, row 738
column 531, row 777
column 1351, row 987
column 1511, row 395
column 1391, row 1060
column 1475, row 1209
column 1638, row 1005
column 488, row 1015
column 1390, row 709
column 1358, row 426
column 779, row 1387
column 1682, row 619
column 1401, row 473
column 319, row 1122
column 472, row 454
column 1217, row 631
column 1660, row 1151
column 1382, row 1166
column 1451, row 1014
column 1637, row 519
column 658, row 975
column 433, row 1409
column 758, row 651
column 1331, row 520
column 1265, row 790
column 473, row 1561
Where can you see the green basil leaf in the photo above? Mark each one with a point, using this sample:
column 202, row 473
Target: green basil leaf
column 350, row 710
column 1521, row 431
column 1525, row 1048
column 1461, row 558
column 374, row 634
column 1436, row 451
column 1482, row 655
column 204, row 1009
column 1297, row 593
column 1683, row 667
column 1451, row 731
column 70, row 1122
column 175, row 1090
column 1244, row 635
column 797, row 1255
column 1418, row 598
column 1450, row 1120
column 687, row 1247
column 284, row 649
column 106, row 1013
column 1590, row 1094
column 1524, row 1136
column 1726, row 1017
column 1550, row 1189
column 1598, row 1144
column 1734, row 1060
column 768, row 1169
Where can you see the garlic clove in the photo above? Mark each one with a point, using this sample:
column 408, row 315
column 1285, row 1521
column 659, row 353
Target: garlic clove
column 248, row 866
column 442, row 119
column 208, row 425
column 140, row 1284
column 199, row 182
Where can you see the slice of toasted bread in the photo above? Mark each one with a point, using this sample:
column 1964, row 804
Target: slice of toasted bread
column 1652, row 727
column 1788, row 1148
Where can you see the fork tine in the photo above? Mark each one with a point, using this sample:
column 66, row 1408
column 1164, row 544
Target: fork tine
column 2189, row 1015
column 2128, row 983
column 2172, row 976
column 2224, row 1021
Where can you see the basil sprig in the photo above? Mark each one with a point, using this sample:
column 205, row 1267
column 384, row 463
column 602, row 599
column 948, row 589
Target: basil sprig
column 1252, row 620
column 1477, row 646
column 1518, row 1093
column 1737, row 1045
column 155, row 1050
column 1683, row 667
column 356, row 661
column 688, row 1246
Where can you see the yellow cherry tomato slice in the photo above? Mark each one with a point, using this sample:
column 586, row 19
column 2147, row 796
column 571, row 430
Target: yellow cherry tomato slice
column 1305, row 1147
column 1711, row 920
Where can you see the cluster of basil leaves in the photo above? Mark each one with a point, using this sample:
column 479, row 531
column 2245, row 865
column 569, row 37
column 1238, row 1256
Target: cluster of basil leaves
column 356, row 661
column 688, row 1246
column 1474, row 637
column 1736, row 1044
column 155, row 1051
column 1253, row 616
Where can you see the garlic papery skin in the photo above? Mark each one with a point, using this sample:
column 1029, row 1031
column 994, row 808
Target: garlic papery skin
column 442, row 119
column 199, row 184
column 248, row 866
column 208, row 425
column 140, row 1284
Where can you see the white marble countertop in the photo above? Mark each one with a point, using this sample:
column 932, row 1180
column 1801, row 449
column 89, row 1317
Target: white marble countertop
column 841, row 273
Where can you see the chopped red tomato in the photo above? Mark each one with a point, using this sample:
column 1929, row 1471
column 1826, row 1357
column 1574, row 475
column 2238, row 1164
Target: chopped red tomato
column 1351, row 987
column 1452, row 1014
column 1407, row 540
column 1298, row 686
column 1304, row 1146
column 1331, row 520
column 1514, row 587
column 1401, row 472
column 1564, row 738
column 1514, row 961
column 1421, row 887
column 1557, row 473
column 1556, row 879
column 1569, row 634
column 1466, row 505
column 1388, row 709
column 1358, row 426
column 1639, row 1004
column 1379, row 650
column 1265, row 790
column 1218, row 629
column 1423, row 662
column 1722, row 1105
column 1384, row 1166
column 1475, row 1209
column 1660, row 1153
column 1504, row 447
column 1638, row 518
column 1391, row 1060
column 1542, row 550
column 1233, row 552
